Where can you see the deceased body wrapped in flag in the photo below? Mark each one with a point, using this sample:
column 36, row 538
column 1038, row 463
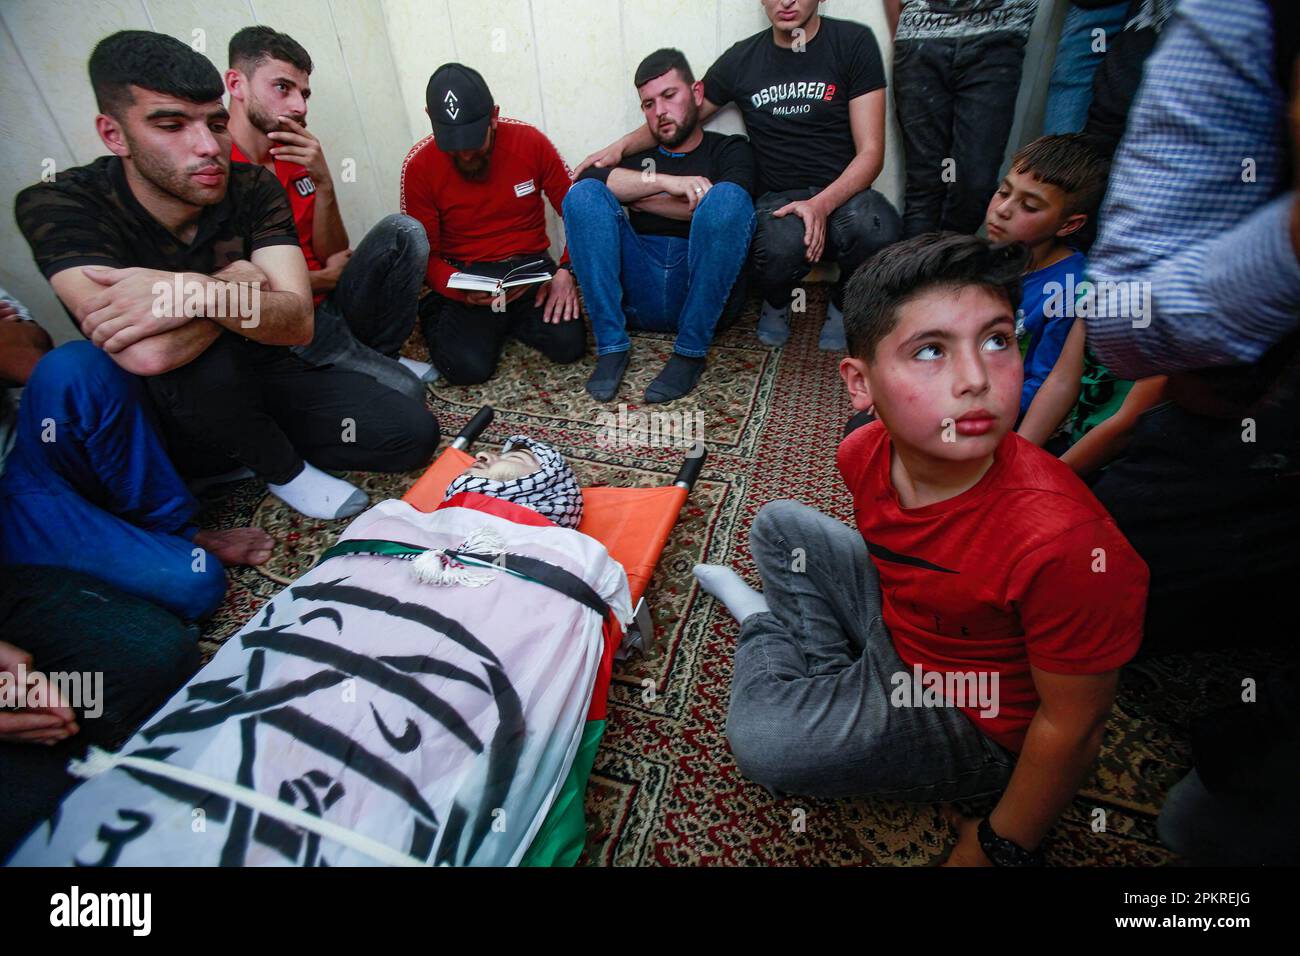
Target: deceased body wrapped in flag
column 417, row 697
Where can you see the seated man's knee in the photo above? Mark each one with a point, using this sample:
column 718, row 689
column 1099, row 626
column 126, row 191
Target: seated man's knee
column 406, row 438
column 773, row 521
column 408, row 232
column 422, row 433
column 586, row 197
column 768, row 757
column 198, row 588
column 778, row 250
column 870, row 223
column 569, row 348
column 468, row 370
column 726, row 209
column 77, row 365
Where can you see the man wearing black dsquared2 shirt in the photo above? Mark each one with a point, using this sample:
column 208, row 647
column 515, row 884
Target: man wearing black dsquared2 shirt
column 812, row 93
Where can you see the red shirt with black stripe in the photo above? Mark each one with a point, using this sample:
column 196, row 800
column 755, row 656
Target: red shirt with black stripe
column 484, row 220
column 1025, row 568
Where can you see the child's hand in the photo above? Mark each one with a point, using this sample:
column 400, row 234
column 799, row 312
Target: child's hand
column 967, row 851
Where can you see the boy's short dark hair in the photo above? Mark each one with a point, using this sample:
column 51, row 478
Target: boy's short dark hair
column 905, row 270
column 1073, row 164
column 152, row 61
column 253, row 46
column 660, row 62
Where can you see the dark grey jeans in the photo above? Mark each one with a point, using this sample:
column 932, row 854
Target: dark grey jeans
column 810, row 696
column 955, row 100
column 860, row 227
column 362, row 325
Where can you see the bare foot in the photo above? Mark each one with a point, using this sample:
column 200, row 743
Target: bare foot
column 237, row 545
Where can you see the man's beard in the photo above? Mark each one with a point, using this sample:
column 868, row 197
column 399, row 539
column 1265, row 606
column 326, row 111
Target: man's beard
column 476, row 169
column 177, row 183
column 684, row 129
column 263, row 119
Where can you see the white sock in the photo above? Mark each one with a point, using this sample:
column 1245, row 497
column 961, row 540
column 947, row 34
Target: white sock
column 729, row 588
column 833, row 314
column 423, row 370
column 318, row 495
column 776, row 313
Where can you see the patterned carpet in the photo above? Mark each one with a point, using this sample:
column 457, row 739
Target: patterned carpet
column 665, row 790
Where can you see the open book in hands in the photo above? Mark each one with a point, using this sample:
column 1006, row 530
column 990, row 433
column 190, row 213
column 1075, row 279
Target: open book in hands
column 493, row 278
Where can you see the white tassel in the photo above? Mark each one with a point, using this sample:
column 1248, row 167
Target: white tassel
column 435, row 567
column 483, row 541
column 97, row 761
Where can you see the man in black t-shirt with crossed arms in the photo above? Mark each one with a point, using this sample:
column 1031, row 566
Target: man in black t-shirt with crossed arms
column 812, row 94
column 669, row 261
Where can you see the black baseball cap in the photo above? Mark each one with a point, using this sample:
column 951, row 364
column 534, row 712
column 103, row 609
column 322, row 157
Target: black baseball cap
column 460, row 107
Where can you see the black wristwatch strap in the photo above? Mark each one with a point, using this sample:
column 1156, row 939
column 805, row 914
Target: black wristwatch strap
column 1004, row 852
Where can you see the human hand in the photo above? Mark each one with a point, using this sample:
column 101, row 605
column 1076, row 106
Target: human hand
column 611, row 155
column 689, row 188
column 505, row 297
column 814, row 225
column 128, row 309
column 560, row 296
column 295, row 145
column 47, row 723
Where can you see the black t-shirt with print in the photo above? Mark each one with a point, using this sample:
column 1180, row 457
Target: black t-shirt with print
column 718, row 158
column 88, row 216
column 796, row 103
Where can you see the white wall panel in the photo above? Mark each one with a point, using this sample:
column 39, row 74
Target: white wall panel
column 564, row 65
column 421, row 40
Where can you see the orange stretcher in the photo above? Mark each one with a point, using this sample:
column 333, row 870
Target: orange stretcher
column 632, row 523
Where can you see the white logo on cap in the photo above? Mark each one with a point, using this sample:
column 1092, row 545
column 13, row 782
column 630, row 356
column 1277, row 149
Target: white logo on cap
column 452, row 109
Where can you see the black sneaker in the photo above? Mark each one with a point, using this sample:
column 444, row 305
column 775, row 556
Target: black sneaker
column 677, row 379
column 608, row 375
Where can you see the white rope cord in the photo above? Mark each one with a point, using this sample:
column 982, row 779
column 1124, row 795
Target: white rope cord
column 99, row 761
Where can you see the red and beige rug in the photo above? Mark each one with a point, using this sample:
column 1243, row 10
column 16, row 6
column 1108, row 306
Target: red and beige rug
column 665, row 790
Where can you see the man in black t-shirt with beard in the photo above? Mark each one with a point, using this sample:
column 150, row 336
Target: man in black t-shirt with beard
column 667, row 263
column 812, row 94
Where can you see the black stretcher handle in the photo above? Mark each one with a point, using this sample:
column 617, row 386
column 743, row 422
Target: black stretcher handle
column 692, row 466
column 474, row 427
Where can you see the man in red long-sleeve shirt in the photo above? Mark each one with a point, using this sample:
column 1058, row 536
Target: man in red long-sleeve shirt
column 476, row 185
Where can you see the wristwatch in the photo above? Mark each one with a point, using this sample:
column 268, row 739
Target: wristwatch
column 566, row 266
column 1004, row 852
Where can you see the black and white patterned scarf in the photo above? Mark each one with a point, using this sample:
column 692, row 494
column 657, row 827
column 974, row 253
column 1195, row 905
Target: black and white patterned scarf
column 552, row 492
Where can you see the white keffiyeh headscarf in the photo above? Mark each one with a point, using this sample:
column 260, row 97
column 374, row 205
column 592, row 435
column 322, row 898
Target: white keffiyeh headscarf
column 553, row 491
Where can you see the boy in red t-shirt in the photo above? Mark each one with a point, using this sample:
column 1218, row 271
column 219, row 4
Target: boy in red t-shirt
column 969, row 640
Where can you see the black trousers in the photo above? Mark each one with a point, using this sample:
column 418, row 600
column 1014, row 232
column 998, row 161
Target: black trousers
column 465, row 341
column 1217, row 519
column 72, row 623
column 263, row 407
column 955, row 101
column 854, row 232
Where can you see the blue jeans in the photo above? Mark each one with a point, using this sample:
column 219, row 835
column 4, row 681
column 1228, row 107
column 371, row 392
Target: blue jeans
column 658, row 283
column 89, row 487
column 810, row 693
column 1069, row 94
